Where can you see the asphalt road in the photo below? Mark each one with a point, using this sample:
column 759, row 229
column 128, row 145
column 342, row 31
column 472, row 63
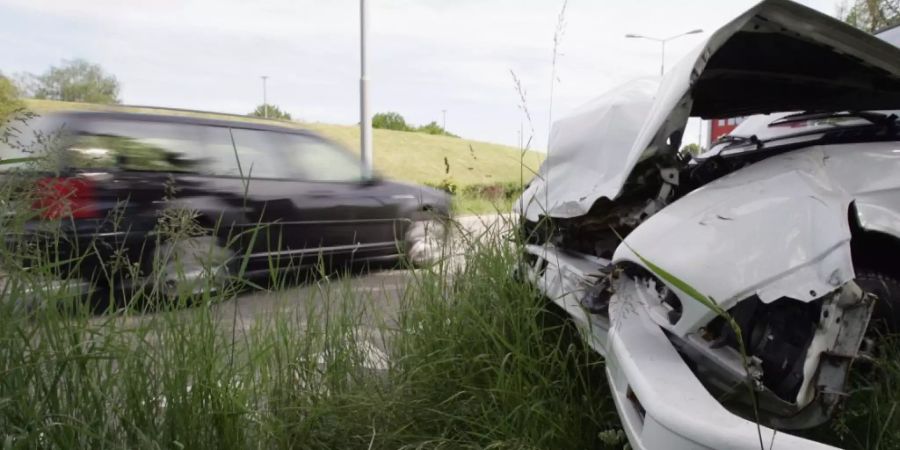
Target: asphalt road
column 380, row 289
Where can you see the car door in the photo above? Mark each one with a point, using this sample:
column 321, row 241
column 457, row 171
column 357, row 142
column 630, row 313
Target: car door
column 316, row 203
column 357, row 215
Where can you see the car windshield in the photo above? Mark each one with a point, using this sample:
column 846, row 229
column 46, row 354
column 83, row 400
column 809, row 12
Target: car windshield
column 765, row 130
column 796, row 126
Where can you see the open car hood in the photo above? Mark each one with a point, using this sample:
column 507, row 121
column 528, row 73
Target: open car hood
column 777, row 56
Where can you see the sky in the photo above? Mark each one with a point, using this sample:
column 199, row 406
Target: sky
column 425, row 56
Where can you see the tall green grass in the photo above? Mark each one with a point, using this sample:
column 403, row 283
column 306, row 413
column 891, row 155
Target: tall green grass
column 870, row 418
column 467, row 358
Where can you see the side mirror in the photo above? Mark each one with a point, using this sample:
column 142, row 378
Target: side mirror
column 373, row 180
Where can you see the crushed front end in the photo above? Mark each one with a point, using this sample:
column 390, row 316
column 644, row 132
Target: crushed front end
column 723, row 291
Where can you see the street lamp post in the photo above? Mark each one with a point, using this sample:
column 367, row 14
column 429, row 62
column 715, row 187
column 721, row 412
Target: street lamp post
column 444, row 122
column 265, row 101
column 365, row 120
column 662, row 67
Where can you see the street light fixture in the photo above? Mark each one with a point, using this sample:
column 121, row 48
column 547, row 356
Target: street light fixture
column 662, row 67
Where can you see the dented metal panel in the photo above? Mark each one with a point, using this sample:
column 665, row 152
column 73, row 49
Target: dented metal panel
column 715, row 79
column 776, row 229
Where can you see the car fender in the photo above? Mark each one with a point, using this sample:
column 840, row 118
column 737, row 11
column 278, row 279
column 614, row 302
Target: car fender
column 879, row 212
column 778, row 228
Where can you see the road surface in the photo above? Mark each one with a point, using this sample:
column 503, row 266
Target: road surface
column 381, row 289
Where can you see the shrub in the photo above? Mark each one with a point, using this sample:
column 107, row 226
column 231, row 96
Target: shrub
column 273, row 112
column 390, row 121
column 494, row 191
column 435, row 129
column 9, row 98
column 693, row 149
column 447, row 185
column 394, row 121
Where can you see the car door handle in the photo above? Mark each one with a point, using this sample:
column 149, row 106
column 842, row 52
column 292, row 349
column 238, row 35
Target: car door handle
column 320, row 194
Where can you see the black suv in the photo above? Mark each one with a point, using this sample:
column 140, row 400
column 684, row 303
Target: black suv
column 254, row 197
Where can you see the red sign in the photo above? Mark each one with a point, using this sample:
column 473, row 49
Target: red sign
column 721, row 127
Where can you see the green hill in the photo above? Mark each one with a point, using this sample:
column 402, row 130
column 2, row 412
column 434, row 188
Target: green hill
column 399, row 155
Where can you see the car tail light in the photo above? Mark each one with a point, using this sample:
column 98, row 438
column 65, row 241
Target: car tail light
column 59, row 198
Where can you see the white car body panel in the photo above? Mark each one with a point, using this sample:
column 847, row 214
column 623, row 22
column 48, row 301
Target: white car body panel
column 778, row 228
column 604, row 128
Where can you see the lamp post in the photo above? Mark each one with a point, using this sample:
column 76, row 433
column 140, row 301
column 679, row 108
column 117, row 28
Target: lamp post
column 662, row 67
column 365, row 120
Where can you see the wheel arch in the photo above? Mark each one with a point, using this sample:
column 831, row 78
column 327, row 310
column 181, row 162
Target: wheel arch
column 873, row 245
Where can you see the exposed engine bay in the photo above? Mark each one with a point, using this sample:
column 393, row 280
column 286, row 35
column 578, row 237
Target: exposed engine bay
column 737, row 271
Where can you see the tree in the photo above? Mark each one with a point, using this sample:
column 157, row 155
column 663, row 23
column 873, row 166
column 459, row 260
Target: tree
column 394, row 121
column 9, row 98
column 75, row 80
column 271, row 112
column 870, row 15
column 390, row 121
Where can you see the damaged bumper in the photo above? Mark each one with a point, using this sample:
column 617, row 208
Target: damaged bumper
column 660, row 401
column 659, row 398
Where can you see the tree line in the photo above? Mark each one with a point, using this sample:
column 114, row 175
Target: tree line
column 78, row 80
column 394, row 121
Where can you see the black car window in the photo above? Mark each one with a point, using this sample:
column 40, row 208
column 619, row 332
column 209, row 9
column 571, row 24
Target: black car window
column 316, row 159
column 260, row 155
column 134, row 145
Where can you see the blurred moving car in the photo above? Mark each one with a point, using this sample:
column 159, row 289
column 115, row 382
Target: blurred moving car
column 732, row 293
column 197, row 197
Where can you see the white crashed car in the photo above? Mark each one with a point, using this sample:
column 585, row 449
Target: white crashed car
column 779, row 244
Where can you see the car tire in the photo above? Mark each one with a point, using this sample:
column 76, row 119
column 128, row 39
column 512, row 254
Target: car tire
column 188, row 267
column 426, row 241
column 886, row 315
